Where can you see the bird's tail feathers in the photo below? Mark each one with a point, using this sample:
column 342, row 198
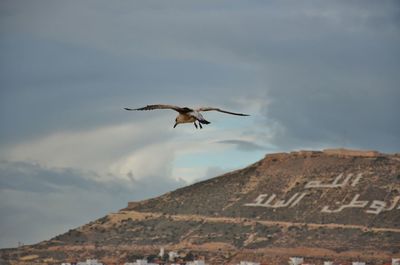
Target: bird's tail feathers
column 204, row 122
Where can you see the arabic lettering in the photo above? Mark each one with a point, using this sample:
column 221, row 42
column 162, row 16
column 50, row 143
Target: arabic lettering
column 353, row 204
column 336, row 182
column 298, row 199
column 291, row 202
column 376, row 207
column 380, row 206
column 356, row 180
column 258, row 201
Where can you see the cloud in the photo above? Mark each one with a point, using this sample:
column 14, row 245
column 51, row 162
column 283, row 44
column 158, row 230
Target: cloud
column 312, row 75
column 23, row 176
column 243, row 145
column 96, row 149
column 316, row 67
column 38, row 203
column 149, row 161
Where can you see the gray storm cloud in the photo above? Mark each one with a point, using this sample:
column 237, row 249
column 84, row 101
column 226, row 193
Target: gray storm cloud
column 313, row 75
column 38, row 203
column 243, row 145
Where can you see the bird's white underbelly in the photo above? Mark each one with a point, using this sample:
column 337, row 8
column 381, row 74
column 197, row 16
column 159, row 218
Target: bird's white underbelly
column 182, row 118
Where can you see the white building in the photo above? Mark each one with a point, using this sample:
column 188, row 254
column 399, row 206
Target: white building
column 196, row 262
column 90, row 262
column 140, row 262
column 395, row 261
column 249, row 263
column 162, row 252
column 172, row 255
column 358, row 263
column 296, row 260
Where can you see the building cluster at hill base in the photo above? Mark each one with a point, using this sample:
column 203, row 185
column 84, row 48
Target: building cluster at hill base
column 292, row 261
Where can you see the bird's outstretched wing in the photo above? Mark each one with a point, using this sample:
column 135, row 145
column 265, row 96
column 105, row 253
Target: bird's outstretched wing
column 220, row 110
column 162, row 106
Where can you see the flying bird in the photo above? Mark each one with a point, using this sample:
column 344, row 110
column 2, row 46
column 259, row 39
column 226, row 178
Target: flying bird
column 188, row 115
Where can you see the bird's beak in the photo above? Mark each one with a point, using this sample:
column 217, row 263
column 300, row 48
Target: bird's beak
column 175, row 125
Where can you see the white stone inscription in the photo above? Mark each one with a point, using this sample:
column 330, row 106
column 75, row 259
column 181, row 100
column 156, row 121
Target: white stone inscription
column 375, row 207
column 353, row 204
column 291, row 202
column 337, row 183
column 380, row 206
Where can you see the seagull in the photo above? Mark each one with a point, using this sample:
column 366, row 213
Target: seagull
column 188, row 115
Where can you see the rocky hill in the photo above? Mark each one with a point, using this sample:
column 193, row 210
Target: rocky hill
column 334, row 204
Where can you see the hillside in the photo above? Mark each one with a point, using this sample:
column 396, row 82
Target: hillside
column 332, row 204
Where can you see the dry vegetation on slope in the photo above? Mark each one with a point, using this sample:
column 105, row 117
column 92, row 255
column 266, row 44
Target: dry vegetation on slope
column 337, row 203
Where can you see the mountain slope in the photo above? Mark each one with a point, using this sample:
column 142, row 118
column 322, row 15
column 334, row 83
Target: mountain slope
column 339, row 204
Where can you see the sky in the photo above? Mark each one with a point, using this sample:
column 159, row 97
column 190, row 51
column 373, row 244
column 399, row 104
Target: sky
column 312, row 75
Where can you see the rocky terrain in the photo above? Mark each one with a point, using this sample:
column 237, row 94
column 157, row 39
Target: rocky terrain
column 334, row 204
